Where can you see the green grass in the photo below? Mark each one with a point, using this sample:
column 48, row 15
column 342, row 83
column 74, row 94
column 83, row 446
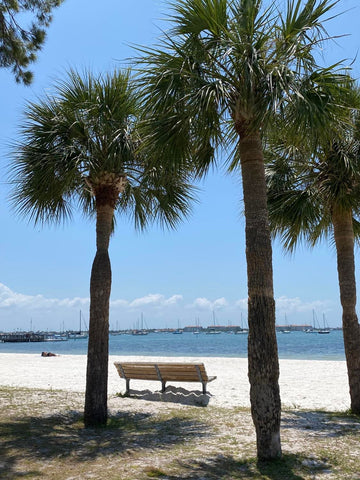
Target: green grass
column 42, row 437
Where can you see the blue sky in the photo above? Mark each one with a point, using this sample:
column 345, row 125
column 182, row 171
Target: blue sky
column 171, row 277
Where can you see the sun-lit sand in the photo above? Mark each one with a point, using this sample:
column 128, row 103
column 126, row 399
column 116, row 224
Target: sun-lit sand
column 304, row 384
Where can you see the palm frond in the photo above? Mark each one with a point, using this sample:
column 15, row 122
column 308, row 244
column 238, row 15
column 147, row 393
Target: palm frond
column 160, row 194
column 238, row 61
column 86, row 131
column 308, row 180
column 193, row 17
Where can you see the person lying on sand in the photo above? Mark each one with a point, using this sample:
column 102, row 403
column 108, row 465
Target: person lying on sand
column 48, row 354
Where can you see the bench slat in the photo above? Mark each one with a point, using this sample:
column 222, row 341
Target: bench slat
column 160, row 364
column 141, row 376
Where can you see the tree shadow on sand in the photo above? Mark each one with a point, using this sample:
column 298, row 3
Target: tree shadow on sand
column 63, row 436
column 27, row 440
column 322, row 423
column 227, row 467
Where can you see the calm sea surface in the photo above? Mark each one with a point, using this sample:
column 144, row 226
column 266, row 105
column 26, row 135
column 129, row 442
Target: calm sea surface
column 296, row 345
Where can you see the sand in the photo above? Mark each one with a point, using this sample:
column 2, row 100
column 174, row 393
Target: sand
column 304, row 384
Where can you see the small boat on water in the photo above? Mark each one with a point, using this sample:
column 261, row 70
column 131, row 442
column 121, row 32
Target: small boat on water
column 178, row 330
column 212, row 331
column 77, row 335
column 139, row 332
column 325, row 330
column 317, row 329
column 285, row 329
column 56, row 337
column 243, row 330
column 116, row 331
column 314, row 328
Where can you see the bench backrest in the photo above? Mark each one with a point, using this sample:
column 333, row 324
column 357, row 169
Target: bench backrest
column 162, row 371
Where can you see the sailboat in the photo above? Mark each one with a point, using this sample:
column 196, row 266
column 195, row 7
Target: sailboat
column 116, row 331
column 286, row 329
column 213, row 330
column 242, row 331
column 325, row 329
column 79, row 334
column 197, row 323
column 178, row 331
column 313, row 329
column 142, row 330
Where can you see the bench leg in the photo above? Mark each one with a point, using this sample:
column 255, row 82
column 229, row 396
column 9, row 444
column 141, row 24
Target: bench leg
column 204, row 388
column 163, row 386
column 127, row 386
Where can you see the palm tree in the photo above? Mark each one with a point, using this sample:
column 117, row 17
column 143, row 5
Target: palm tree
column 315, row 194
column 78, row 148
column 211, row 87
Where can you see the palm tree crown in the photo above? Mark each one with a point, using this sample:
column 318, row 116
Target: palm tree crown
column 226, row 67
column 306, row 183
column 85, row 138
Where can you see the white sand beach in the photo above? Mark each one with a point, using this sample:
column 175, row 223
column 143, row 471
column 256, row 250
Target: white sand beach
column 305, row 384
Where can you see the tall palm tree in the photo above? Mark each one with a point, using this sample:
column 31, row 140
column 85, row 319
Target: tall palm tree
column 79, row 148
column 315, row 194
column 212, row 86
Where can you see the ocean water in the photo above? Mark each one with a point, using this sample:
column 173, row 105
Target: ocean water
column 295, row 345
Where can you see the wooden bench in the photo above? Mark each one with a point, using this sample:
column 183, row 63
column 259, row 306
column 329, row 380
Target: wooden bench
column 164, row 372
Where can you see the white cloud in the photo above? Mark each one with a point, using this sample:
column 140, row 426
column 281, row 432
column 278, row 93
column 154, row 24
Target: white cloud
column 293, row 305
column 173, row 300
column 202, row 303
column 49, row 313
column 73, row 302
column 9, row 298
column 151, row 299
column 242, row 303
column 296, row 305
column 205, row 304
column 220, row 303
column 155, row 300
column 119, row 303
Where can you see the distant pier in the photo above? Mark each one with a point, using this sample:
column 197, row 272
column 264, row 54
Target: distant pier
column 22, row 337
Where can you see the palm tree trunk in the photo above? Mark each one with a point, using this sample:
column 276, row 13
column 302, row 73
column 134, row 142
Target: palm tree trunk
column 98, row 348
column 344, row 240
column 262, row 346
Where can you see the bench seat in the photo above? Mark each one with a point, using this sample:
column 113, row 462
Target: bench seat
column 163, row 372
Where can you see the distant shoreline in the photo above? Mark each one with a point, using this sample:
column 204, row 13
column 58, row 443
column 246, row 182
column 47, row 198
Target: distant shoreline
column 296, row 346
column 304, row 384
